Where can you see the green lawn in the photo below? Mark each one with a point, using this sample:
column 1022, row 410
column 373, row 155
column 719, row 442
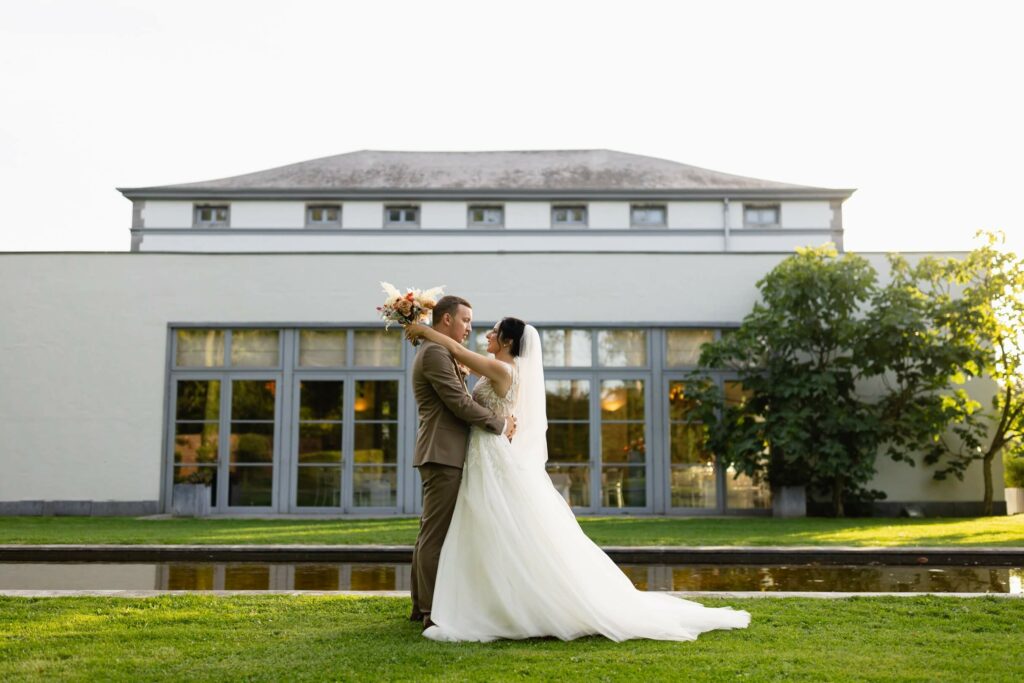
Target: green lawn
column 273, row 638
column 638, row 531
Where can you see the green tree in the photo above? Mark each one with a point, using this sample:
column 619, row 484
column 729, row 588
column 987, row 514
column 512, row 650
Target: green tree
column 914, row 347
column 814, row 352
column 991, row 324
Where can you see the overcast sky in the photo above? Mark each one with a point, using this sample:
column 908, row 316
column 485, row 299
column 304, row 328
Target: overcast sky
column 918, row 105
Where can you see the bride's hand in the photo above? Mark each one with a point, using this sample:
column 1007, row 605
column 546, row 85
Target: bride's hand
column 414, row 331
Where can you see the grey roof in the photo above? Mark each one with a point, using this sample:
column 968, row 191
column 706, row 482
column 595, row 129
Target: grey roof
column 542, row 173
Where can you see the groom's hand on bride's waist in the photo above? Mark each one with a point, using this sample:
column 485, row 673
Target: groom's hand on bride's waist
column 510, row 427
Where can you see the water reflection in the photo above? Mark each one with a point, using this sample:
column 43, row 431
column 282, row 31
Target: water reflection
column 853, row 579
column 260, row 576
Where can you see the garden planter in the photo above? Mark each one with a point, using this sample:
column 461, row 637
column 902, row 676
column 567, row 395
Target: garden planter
column 789, row 501
column 190, row 500
column 1014, row 501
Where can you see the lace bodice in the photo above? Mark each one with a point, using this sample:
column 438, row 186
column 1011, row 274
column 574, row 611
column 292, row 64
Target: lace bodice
column 484, row 394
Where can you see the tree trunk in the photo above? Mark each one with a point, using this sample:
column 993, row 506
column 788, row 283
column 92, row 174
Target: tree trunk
column 986, row 468
column 837, row 497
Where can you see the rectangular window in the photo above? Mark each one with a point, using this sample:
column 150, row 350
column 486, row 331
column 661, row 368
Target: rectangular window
column 692, row 466
column 566, row 348
column 197, row 433
column 375, row 458
column 323, row 215
column 622, row 348
column 569, row 216
column 486, row 216
column 648, row 216
column 743, row 492
column 761, row 215
column 208, row 215
column 377, row 348
column 402, row 216
column 568, row 437
column 323, row 348
column 251, row 443
column 199, row 348
column 623, row 443
column 255, row 348
column 682, row 347
column 320, row 463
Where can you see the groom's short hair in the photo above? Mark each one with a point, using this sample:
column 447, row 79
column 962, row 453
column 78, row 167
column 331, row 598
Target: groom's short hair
column 448, row 304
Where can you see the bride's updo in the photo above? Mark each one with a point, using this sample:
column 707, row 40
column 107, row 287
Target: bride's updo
column 511, row 329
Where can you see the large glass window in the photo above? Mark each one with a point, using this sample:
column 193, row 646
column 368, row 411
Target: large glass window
column 567, row 348
column 623, row 443
column 321, row 424
column 323, row 348
column 197, row 433
column 199, row 348
column 568, row 408
column 251, row 472
column 692, row 466
column 378, row 348
column 622, row 348
column 255, row 348
column 375, row 459
column 682, row 347
column 743, row 492
column 616, row 401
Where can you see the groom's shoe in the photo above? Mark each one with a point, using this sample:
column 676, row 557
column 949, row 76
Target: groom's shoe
column 416, row 616
column 427, row 623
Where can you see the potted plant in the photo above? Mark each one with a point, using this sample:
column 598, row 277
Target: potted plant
column 191, row 496
column 788, row 485
column 1013, row 477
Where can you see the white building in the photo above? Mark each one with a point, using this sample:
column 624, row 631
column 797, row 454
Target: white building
column 239, row 338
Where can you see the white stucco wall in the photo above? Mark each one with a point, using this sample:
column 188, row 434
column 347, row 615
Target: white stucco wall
column 563, row 241
column 362, row 214
column 695, row 215
column 167, row 214
column 443, row 215
column 528, row 215
column 608, row 215
column 521, row 215
column 84, row 337
column 806, row 214
column 268, row 214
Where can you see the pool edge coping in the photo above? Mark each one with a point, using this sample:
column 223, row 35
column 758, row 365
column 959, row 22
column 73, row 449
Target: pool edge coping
column 139, row 593
column 883, row 555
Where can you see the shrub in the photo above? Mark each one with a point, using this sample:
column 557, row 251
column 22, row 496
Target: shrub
column 1013, row 471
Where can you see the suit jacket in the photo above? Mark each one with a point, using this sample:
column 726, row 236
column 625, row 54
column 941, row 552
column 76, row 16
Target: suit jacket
column 446, row 408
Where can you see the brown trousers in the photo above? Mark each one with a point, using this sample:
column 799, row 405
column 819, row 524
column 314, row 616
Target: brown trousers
column 440, row 490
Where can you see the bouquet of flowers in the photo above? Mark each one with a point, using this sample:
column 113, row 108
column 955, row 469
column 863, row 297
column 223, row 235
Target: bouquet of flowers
column 412, row 307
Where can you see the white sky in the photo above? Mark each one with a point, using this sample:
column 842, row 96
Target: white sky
column 918, row 105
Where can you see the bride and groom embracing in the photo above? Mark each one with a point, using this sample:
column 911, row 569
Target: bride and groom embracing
column 500, row 553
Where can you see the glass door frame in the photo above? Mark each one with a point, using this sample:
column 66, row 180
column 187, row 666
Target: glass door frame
column 226, row 377
column 223, row 477
column 667, row 378
column 595, row 375
column 349, row 378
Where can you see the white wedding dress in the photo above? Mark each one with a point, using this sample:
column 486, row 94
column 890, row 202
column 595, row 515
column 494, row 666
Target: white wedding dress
column 515, row 562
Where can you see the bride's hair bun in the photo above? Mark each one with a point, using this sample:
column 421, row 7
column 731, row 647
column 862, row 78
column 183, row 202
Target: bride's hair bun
column 511, row 329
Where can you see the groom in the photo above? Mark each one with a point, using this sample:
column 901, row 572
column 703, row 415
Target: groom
column 446, row 411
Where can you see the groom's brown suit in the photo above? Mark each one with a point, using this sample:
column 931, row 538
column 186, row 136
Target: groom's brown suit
column 446, row 411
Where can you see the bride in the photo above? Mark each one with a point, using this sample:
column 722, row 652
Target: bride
column 515, row 562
